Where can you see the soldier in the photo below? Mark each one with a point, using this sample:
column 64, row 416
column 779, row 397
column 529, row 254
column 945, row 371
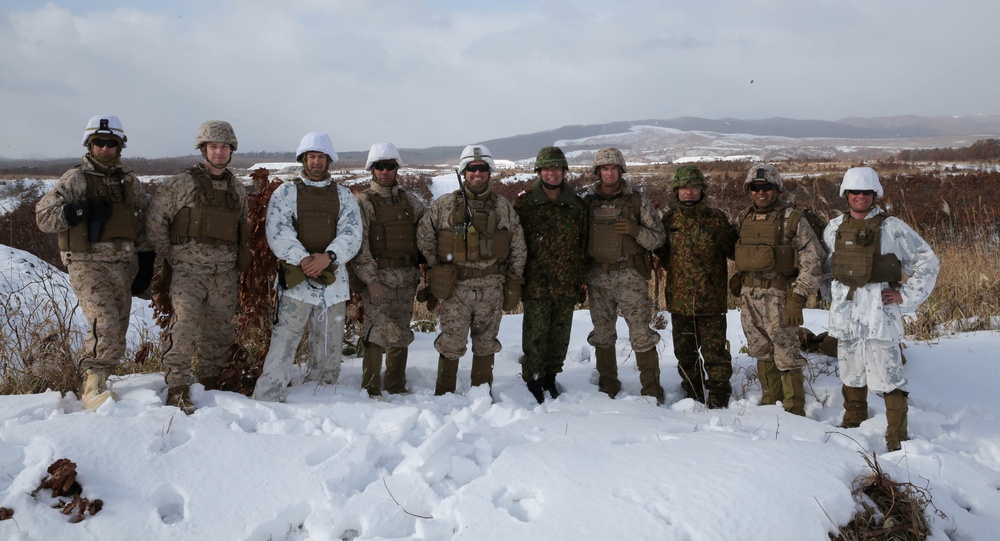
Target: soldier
column 870, row 252
column 196, row 221
column 624, row 229
column 473, row 242
column 314, row 228
column 387, row 265
column 97, row 209
column 779, row 265
column 554, row 220
column 700, row 239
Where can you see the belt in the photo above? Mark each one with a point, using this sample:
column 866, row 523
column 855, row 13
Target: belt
column 465, row 273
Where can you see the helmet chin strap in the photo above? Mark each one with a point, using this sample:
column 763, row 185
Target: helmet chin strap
column 551, row 186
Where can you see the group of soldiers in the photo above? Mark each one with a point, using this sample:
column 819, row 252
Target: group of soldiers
column 480, row 255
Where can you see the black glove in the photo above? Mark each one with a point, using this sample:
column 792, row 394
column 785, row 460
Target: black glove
column 76, row 212
column 100, row 210
column 145, row 275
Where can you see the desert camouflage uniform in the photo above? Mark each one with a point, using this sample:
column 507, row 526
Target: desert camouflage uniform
column 624, row 290
column 699, row 241
column 868, row 331
column 555, row 232
column 203, row 287
column 474, row 305
column 101, row 276
column 387, row 324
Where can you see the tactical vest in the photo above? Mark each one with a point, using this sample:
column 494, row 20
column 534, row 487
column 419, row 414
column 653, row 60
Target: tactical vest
column 478, row 239
column 121, row 227
column 858, row 257
column 216, row 217
column 606, row 245
column 392, row 235
column 765, row 245
column 317, row 210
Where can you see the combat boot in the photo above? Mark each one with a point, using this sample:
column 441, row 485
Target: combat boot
column 649, row 375
column 535, row 388
column 895, row 415
column 855, row 406
column 95, row 389
column 180, row 396
column 447, row 376
column 395, row 370
column 607, row 372
column 793, row 388
column 371, row 370
column 770, row 383
column 482, row 370
column 549, row 384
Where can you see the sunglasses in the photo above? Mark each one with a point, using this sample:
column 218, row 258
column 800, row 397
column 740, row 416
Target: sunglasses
column 109, row 143
column 862, row 192
column 761, row 187
column 382, row 166
column 479, row 168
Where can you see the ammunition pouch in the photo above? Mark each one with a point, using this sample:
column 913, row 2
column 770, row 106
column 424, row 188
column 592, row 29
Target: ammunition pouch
column 441, row 279
column 765, row 258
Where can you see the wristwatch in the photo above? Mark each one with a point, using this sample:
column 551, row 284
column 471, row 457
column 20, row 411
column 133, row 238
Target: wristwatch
column 333, row 256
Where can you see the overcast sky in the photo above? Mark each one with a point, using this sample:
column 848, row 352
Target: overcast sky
column 421, row 73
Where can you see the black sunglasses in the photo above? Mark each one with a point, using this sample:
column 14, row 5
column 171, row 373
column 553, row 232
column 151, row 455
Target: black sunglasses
column 478, row 168
column 761, row 187
column 861, row 192
column 110, row 143
column 382, row 166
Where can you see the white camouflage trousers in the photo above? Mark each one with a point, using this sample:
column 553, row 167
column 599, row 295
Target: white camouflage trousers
column 875, row 363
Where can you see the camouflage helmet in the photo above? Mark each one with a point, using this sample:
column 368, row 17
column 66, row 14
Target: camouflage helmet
column 609, row 156
column 764, row 172
column 550, row 157
column 688, row 175
column 215, row 131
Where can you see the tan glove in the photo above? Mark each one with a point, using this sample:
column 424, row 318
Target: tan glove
column 512, row 292
column 624, row 226
column 793, row 310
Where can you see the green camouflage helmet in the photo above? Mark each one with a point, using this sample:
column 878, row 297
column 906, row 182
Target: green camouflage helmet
column 550, row 157
column 688, row 175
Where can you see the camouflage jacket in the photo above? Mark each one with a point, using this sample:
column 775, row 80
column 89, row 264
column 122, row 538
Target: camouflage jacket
column 177, row 192
column 72, row 188
column 866, row 317
column 364, row 264
column 700, row 239
column 555, row 232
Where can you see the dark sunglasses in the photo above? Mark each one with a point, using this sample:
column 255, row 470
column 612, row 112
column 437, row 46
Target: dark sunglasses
column 480, row 168
column 110, row 143
column 861, row 192
column 382, row 166
column 761, row 187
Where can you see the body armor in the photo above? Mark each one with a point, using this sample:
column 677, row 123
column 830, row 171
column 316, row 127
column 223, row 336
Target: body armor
column 606, row 245
column 858, row 257
column 765, row 245
column 216, row 217
column 477, row 239
column 122, row 225
column 392, row 236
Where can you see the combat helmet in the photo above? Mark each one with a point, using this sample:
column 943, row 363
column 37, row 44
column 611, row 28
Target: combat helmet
column 474, row 153
column 763, row 172
column 861, row 178
column 550, row 157
column 104, row 126
column 381, row 152
column 688, row 175
column 316, row 142
column 215, row 131
column 609, row 156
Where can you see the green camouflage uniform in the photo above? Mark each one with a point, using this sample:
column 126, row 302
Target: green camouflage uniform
column 555, row 231
column 699, row 240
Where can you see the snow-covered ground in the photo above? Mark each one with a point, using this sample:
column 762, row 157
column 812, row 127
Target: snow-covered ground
column 333, row 464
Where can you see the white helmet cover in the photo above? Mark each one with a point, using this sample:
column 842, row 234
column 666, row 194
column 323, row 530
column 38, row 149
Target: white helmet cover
column 382, row 152
column 861, row 178
column 475, row 153
column 316, row 142
column 107, row 125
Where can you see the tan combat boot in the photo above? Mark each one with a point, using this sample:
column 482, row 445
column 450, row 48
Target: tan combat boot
column 649, row 375
column 855, row 406
column 770, row 383
column 371, row 370
column 395, row 370
column 793, row 387
column 180, row 396
column 896, row 430
column 95, row 389
column 607, row 372
column 482, row 370
column 447, row 376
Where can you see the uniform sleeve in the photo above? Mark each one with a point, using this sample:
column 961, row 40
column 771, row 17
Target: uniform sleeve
column 49, row 214
column 810, row 259
column 349, row 227
column 729, row 236
column 363, row 264
column 427, row 232
column 518, row 247
column 919, row 262
column 281, row 234
column 651, row 232
column 142, row 242
column 162, row 208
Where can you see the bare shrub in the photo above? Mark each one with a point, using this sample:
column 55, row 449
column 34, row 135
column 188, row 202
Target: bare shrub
column 890, row 510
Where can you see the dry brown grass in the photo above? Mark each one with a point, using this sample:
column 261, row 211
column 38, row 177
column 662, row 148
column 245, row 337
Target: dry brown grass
column 889, row 510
